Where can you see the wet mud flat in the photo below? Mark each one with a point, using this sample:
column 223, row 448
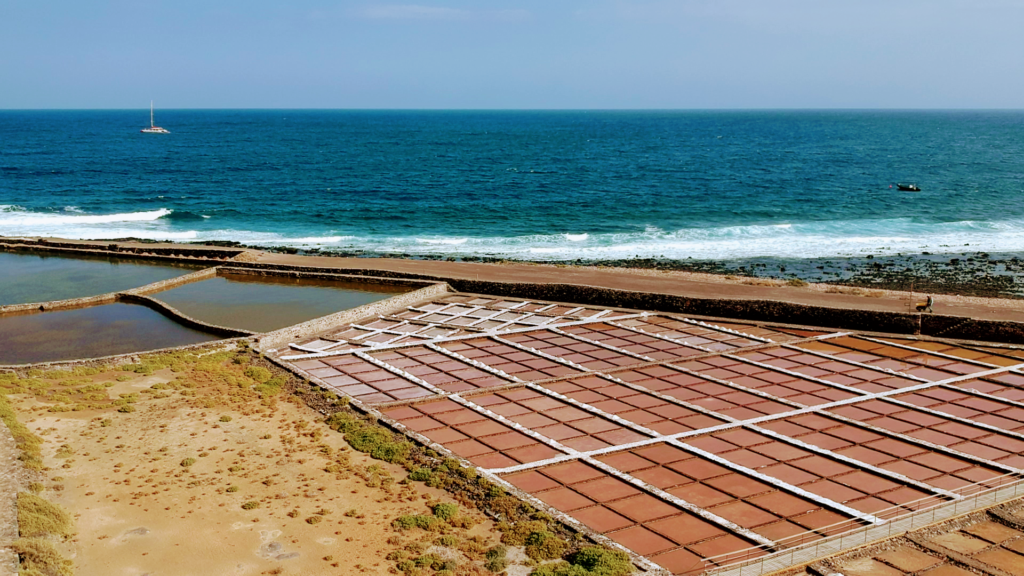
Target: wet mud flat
column 38, row 277
column 90, row 332
column 264, row 303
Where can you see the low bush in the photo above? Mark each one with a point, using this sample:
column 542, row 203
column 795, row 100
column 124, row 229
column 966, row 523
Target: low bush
column 38, row 517
column 258, row 373
column 590, row 561
column 446, row 511
column 250, row 505
column 410, row 521
column 40, row 557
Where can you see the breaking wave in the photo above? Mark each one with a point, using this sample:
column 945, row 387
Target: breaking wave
column 789, row 240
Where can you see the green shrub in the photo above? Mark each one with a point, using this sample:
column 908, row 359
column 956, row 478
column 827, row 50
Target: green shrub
column 447, row 540
column 187, row 462
column 495, row 557
column 37, row 517
column 446, row 511
column 545, row 546
column 591, row 561
column 517, row 534
column 28, row 443
column 225, row 418
column 420, row 474
column 258, row 373
column 232, row 488
column 250, row 505
column 39, row 557
column 411, row 521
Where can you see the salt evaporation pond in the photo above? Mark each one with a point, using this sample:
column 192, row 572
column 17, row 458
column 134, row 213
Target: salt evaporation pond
column 40, row 278
column 90, row 332
column 264, row 303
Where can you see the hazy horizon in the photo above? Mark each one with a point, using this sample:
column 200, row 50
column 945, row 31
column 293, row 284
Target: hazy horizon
column 516, row 55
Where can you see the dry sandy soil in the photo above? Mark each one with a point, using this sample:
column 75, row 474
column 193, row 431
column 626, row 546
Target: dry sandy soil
column 141, row 511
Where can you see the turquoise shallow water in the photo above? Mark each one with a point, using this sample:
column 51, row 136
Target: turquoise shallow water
column 532, row 185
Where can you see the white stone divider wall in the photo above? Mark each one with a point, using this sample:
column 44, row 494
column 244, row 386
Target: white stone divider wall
column 273, row 340
column 126, row 358
column 109, row 297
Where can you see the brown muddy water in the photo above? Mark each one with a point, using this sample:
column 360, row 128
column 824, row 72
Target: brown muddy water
column 90, row 332
column 265, row 303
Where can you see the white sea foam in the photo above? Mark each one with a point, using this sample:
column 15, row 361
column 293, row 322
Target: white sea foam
column 442, row 241
column 787, row 240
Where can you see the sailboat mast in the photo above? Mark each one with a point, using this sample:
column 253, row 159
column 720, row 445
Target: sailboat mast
column 151, row 124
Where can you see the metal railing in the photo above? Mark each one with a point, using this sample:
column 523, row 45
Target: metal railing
column 757, row 560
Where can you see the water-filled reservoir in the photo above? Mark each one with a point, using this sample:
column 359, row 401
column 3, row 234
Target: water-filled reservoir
column 90, row 332
column 40, row 278
column 264, row 303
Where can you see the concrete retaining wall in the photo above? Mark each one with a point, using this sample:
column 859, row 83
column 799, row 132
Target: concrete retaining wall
column 321, row 275
column 119, row 359
column 278, row 338
column 143, row 252
column 181, row 318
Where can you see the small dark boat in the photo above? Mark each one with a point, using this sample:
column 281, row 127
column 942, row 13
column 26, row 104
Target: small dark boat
column 908, row 187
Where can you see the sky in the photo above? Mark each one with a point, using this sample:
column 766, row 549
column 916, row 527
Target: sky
column 525, row 54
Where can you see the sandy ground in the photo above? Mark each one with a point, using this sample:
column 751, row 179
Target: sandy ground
column 140, row 512
column 691, row 284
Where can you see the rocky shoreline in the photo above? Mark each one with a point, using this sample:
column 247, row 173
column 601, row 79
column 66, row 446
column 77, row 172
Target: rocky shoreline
column 991, row 275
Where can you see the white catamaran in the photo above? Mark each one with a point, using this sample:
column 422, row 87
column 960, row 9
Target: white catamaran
column 153, row 128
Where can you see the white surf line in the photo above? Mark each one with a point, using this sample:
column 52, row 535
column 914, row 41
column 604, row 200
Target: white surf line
column 797, row 348
column 821, row 408
column 781, row 485
column 452, row 339
column 691, row 508
column 922, row 351
column 616, row 349
column 854, row 462
column 955, row 418
column 923, row 443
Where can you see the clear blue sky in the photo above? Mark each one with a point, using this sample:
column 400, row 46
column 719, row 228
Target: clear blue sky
column 512, row 54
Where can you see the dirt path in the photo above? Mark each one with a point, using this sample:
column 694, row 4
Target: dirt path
column 12, row 478
column 669, row 282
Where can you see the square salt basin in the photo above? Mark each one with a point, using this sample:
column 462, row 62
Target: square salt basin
column 265, row 303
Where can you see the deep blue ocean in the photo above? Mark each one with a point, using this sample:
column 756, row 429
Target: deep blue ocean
column 519, row 184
